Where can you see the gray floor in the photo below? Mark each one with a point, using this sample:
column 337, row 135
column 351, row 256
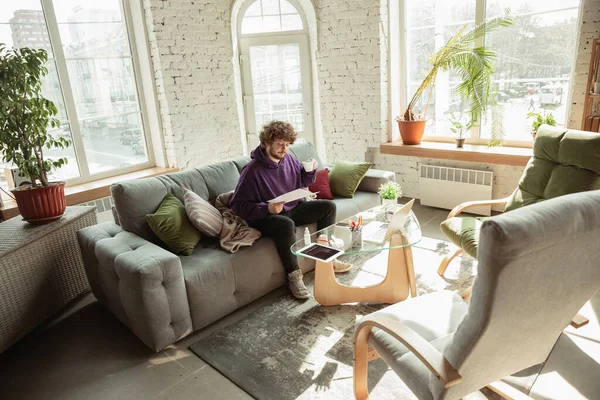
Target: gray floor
column 85, row 353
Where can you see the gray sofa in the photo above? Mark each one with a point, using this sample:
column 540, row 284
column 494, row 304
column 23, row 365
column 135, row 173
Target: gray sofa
column 163, row 297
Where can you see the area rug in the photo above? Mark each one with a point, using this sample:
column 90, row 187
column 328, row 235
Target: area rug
column 292, row 350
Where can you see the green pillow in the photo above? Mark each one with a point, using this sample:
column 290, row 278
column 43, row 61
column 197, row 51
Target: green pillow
column 345, row 177
column 171, row 224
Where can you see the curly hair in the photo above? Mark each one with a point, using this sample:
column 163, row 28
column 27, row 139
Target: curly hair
column 275, row 130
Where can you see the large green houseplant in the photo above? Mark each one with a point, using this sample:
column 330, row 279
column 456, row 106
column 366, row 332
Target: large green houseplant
column 474, row 64
column 25, row 116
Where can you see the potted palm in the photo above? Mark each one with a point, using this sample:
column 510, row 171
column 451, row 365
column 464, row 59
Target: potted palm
column 540, row 119
column 474, row 64
column 25, row 116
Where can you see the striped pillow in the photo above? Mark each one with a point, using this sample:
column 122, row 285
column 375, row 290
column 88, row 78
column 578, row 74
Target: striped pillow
column 206, row 218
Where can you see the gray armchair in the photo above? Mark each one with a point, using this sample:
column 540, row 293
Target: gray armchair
column 538, row 265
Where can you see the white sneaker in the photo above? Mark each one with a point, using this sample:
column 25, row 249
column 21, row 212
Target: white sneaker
column 297, row 286
column 340, row 266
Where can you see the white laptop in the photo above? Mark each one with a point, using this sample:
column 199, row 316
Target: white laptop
column 380, row 232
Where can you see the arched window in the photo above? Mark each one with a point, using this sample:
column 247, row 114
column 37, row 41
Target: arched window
column 275, row 67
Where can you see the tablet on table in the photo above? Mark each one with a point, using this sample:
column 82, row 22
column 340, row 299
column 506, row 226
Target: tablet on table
column 320, row 252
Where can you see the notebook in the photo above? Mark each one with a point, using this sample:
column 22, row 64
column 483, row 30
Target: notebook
column 380, row 232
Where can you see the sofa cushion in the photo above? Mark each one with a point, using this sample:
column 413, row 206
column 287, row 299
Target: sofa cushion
column 258, row 270
column 134, row 200
column 189, row 178
column 209, row 282
column 240, row 162
column 305, row 150
column 360, row 202
column 171, row 224
column 345, row 177
column 219, row 178
column 321, row 185
column 564, row 162
column 464, row 232
column 206, row 218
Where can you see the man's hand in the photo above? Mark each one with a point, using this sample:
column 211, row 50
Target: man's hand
column 275, row 208
column 315, row 165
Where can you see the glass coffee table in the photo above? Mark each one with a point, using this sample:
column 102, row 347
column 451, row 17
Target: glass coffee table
column 400, row 277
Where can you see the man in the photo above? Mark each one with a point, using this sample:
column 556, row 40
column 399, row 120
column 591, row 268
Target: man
column 271, row 173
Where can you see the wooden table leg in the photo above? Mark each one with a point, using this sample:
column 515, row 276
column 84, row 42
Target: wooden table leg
column 395, row 287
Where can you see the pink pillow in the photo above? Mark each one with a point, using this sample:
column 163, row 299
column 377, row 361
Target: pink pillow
column 206, row 218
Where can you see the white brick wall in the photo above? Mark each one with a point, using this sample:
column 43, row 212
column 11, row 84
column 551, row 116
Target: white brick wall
column 352, row 76
column 191, row 52
column 590, row 29
column 506, row 177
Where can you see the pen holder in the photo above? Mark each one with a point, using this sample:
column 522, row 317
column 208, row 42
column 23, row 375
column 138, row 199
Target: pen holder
column 344, row 233
column 357, row 240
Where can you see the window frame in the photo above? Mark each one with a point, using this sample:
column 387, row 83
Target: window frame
column 70, row 106
column 300, row 37
column 399, row 95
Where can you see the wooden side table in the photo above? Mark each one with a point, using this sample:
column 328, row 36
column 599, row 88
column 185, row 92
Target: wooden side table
column 41, row 271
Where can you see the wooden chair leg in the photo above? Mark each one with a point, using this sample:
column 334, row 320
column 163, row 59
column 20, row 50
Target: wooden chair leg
column 362, row 356
column 578, row 321
column 446, row 261
column 507, row 391
column 466, row 295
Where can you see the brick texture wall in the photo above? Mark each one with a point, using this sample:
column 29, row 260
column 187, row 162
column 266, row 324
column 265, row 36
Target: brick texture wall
column 352, row 65
column 590, row 29
column 191, row 51
column 506, row 177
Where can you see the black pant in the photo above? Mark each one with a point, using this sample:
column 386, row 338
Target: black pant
column 282, row 227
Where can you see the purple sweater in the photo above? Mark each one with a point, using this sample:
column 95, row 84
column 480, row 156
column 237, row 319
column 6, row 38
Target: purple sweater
column 263, row 179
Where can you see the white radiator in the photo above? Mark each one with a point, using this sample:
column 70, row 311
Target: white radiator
column 447, row 187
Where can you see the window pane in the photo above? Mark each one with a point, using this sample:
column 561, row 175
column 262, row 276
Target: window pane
column 270, row 7
column 113, row 142
column 287, row 8
column 497, row 7
column 87, row 11
column 271, row 16
column 103, row 87
column 71, row 170
column 277, row 85
column 430, row 24
column 534, row 66
column 291, row 22
column 254, row 10
column 94, row 40
column 22, row 24
column 52, row 91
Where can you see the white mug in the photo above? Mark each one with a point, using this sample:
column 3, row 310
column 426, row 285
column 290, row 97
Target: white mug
column 308, row 164
column 310, row 197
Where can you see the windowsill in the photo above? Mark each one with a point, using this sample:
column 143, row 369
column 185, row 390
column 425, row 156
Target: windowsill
column 518, row 156
column 89, row 191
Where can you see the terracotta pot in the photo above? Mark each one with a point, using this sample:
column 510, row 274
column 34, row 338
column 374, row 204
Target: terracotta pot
column 411, row 131
column 41, row 205
column 460, row 143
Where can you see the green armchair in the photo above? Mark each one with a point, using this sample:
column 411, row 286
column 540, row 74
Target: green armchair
column 564, row 161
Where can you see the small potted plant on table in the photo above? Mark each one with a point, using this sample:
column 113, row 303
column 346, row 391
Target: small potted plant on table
column 390, row 192
column 540, row 119
column 25, row 116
